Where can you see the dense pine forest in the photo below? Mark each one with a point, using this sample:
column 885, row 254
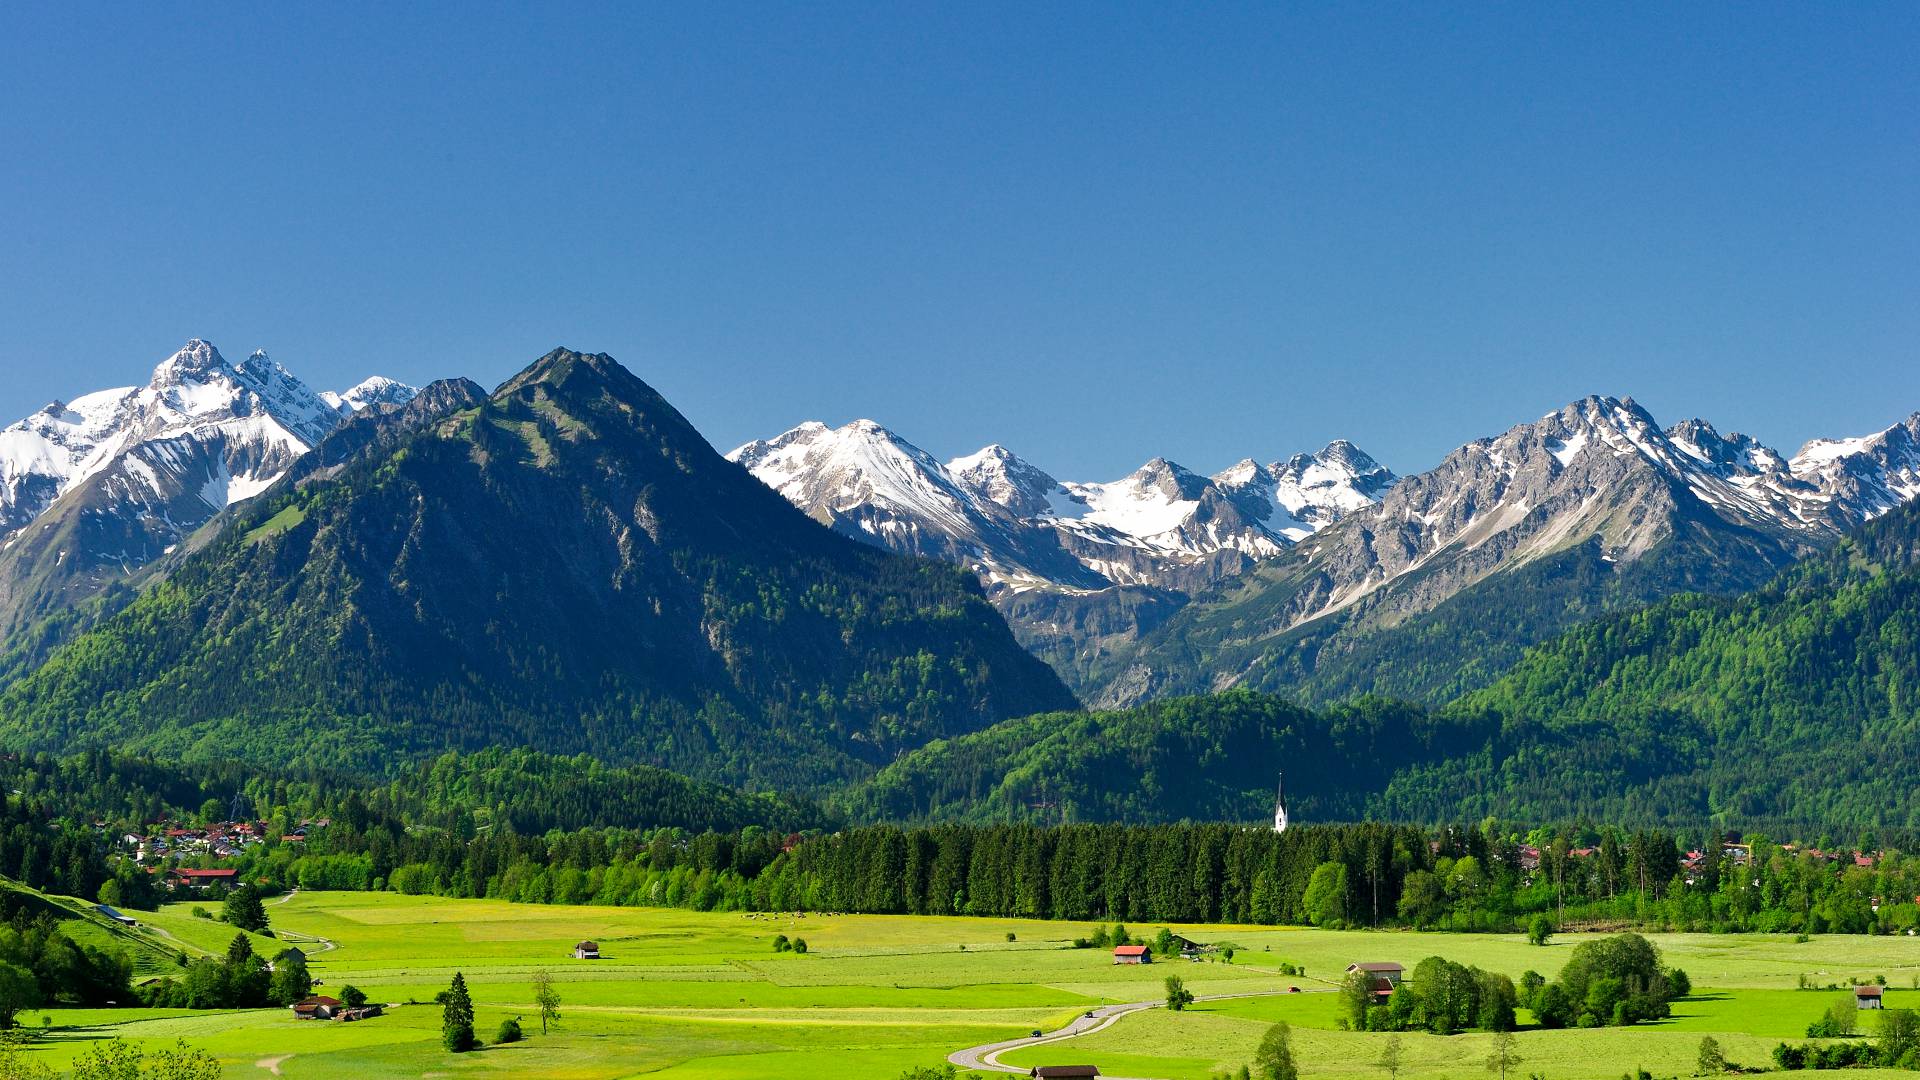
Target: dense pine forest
column 1490, row 878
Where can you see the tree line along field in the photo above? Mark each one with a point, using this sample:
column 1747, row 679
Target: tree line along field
column 703, row 996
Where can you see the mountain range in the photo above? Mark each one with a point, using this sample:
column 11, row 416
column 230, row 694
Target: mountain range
column 95, row 488
column 1325, row 575
column 1078, row 568
column 1588, row 613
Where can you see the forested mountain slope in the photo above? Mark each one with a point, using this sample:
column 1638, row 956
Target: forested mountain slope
column 1800, row 700
column 566, row 565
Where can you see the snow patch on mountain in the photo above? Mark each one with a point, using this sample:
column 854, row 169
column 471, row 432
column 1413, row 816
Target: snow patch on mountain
column 1154, row 501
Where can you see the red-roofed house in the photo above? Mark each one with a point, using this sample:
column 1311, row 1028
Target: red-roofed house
column 200, row 879
column 316, row 1008
column 1132, row 954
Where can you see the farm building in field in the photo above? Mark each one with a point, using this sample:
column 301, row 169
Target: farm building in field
column 1063, row 1072
column 586, row 950
column 1190, row 947
column 1867, row 997
column 316, row 1008
column 1132, row 954
column 119, row 917
column 1388, row 971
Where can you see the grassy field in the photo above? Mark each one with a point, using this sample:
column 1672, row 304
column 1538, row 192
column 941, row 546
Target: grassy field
column 690, row 996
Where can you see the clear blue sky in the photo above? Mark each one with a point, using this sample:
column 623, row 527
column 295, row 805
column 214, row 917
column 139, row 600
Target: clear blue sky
column 1092, row 233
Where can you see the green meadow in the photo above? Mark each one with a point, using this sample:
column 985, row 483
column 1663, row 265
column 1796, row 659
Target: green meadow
column 702, row 996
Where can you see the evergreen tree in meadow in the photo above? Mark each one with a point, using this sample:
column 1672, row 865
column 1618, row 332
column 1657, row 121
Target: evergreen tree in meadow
column 243, row 909
column 456, row 1017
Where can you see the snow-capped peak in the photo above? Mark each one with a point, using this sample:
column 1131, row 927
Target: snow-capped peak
column 1307, row 492
column 197, row 358
column 197, row 387
column 1867, row 475
column 1732, row 454
column 1021, row 527
column 376, row 392
column 832, row 470
column 1002, row 477
column 234, row 427
column 1153, row 500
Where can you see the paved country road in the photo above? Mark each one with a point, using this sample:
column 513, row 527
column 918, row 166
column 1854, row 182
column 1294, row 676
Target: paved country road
column 988, row 1057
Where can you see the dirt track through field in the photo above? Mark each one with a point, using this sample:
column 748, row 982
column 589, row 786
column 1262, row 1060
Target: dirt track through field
column 988, row 1056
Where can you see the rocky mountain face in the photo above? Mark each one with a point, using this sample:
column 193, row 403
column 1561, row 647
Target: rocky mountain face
column 93, row 489
column 1326, row 575
column 1510, row 540
column 564, row 563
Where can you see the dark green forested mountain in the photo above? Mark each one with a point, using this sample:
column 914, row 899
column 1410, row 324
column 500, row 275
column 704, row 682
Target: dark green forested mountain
column 567, row 565
column 518, row 791
column 1193, row 758
column 1797, row 704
